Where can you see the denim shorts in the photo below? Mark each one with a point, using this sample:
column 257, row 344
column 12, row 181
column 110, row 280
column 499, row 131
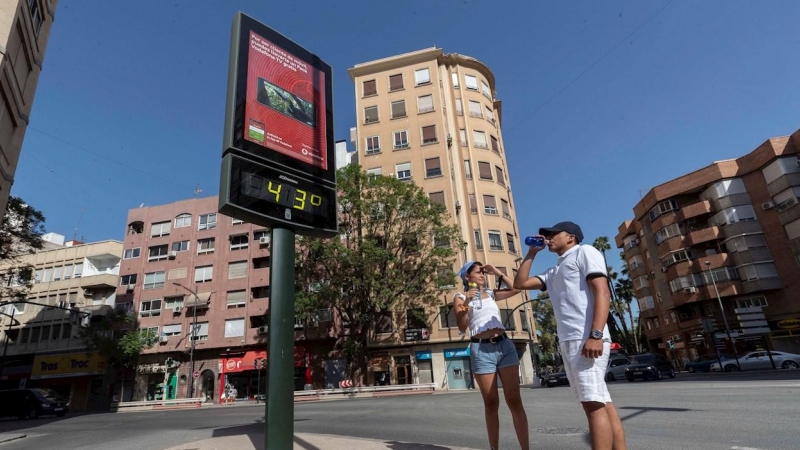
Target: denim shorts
column 487, row 358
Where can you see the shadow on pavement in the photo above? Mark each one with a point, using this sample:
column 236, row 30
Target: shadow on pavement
column 394, row 445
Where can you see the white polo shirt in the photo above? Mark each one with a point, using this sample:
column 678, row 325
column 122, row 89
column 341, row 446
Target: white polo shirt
column 570, row 294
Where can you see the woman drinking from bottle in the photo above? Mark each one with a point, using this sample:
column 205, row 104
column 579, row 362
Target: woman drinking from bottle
column 492, row 353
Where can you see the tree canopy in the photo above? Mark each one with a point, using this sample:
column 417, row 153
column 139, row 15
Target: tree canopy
column 20, row 234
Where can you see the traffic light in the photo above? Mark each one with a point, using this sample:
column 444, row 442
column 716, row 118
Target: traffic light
column 169, row 362
column 671, row 344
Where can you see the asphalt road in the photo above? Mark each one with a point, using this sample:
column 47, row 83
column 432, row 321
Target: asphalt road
column 739, row 411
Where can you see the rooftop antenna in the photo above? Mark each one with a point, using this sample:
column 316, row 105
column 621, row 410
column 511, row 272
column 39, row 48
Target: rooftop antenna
column 80, row 218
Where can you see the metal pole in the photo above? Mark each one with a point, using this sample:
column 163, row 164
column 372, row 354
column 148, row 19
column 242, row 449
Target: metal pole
column 724, row 318
column 280, row 376
column 192, row 336
column 5, row 347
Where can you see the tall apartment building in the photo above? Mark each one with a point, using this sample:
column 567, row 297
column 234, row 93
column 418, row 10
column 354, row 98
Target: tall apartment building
column 42, row 347
column 201, row 281
column 433, row 119
column 726, row 234
column 24, row 31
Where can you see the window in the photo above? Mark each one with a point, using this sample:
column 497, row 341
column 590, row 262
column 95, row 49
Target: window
column 433, row 167
column 234, row 328
column 150, row 308
column 661, row 208
column 489, row 204
column 154, row 280
column 646, row 303
column 459, row 107
column 676, row 257
column 437, row 197
column 374, row 172
column 203, row 274
column 56, row 332
column 510, row 241
column 508, row 319
column 183, row 220
column 160, row 229
column 422, row 76
column 236, row 299
column 383, row 323
column 48, row 275
column 757, row 271
column 415, row 318
column 479, row 139
column 370, row 88
column 462, row 134
column 489, row 115
column 131, row 253
column 484, row 170
column 495, row 144
column 78, row 270
column 398, row 109
column 640, row 282
column 475, row 109
column 471, row 82
column 205, row 245
column 157, row 253
column 395, row 82
column 198, row 332
column 207, row 221
column 173, row 302
column 486, row 91
column 57, row 273
column 669, row 231
column 181, row 246
column 258, row 234
column 732, row 215
column 403, row 171
column 425, row 104
column 127, row 279
column 237, row 269
column 445, row 278
column 495, row 242
column 239, row 242
column 752, row 302
column 429, row 135
column 473, row 204
column 260, row 292
column 373, row 144
column 370, row 114
column 171, row 330
column 447, row 317
column 745, row 242
column 455, row 79
column 478, row 240
column 501, row 179
column 17, row 51
column 505, row 208
column 467, row 170
column 235, row 221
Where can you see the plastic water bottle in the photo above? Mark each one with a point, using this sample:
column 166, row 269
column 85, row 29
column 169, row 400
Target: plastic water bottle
column 477, row 296
column 534, row 241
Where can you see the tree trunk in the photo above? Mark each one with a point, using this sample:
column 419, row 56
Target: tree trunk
column 635, row 329
column 122, row 383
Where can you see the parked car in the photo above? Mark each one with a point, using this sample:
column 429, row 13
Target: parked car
column 759, row 360
column 559, row 377
column 703, row 363
column 31, row 403
column 649, row 365
column 616, row 368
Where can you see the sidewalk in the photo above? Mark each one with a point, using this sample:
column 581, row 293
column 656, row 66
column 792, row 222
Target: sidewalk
column 8, row 437
column 305, row 441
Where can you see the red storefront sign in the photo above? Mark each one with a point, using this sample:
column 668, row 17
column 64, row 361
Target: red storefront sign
column 248, row 360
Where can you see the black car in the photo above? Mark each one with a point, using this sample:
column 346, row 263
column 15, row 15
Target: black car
column 649, row 365
column 703, row 363
column 31, row 403
column 559, row 377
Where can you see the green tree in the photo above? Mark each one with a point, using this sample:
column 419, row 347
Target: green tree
column 394, row 251
column 546, row 334
column 20, row 234
column 116, row 338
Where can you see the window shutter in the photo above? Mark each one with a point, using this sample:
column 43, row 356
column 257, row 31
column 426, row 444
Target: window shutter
column 429, row 134
column 237, row 269
column 484, row 170
column 396, row 82
column 489, row 201
column 437, row 197
column 370, row 88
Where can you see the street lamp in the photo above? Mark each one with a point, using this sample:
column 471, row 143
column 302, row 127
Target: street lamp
column 724, row 318
column 192, row 337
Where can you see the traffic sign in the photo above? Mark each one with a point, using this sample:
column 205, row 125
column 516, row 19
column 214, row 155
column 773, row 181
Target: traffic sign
column 196, row 374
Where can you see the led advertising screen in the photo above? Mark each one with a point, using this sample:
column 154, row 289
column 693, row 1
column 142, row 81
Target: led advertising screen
column 285, row 103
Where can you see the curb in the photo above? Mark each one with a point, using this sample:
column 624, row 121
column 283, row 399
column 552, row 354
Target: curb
column 12, row 438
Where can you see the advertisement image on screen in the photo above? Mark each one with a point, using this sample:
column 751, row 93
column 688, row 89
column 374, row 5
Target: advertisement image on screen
column 285, row 103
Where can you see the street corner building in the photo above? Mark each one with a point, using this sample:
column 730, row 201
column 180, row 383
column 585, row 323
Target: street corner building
column 434, row 119
column 42, row 346
column 716, row 252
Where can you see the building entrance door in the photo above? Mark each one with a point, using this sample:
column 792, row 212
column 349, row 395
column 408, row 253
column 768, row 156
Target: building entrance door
column 402, row 369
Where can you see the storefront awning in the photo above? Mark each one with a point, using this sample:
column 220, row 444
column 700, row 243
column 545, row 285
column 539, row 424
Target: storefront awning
column 202, row 301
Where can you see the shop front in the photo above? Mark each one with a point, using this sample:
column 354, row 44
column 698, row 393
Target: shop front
column 424, row 366
column 239, row 372
column 785, row 334
column 77, row 377
column 155, row 379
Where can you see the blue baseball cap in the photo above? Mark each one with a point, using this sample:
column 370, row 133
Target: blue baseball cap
column 569, row 227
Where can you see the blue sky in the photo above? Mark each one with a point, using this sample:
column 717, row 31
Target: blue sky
column 601, row 100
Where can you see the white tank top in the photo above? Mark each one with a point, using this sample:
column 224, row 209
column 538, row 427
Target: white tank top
column 483, row 314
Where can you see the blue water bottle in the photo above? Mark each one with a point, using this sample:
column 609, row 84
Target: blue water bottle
column 534, row 241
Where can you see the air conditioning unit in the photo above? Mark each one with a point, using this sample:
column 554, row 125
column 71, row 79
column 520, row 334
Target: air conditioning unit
column 689, row 290
column 664, row 269
column 263, row 329
column 129, row 287
column 264, row 240
column 173, row 254
column 163, row 339
column 767, row 205
column 177, row 309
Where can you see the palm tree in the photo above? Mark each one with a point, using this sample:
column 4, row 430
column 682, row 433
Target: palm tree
column 601, row 243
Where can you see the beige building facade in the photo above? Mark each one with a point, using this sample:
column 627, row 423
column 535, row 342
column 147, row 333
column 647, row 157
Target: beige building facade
column 727, row 234
column 24, row 32
column 433, row 119
column 41, row 345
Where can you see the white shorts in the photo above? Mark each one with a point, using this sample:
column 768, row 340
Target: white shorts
column 587, row 376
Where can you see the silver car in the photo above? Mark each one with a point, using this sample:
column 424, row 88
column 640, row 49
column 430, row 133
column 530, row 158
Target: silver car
column 758, row 361
column 616, row 368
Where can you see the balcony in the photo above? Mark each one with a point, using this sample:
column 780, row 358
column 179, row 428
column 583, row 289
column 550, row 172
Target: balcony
column 632, row 248
column 679, row 269
column 648, row 313
column 739, row 228
column 751, row 256
column 636, row 270
column 668, row 218
column 703, row 293
column 696, row 209
column 671, row 244
column 783, row 182
column 100, row 281
column 762, row 284
column 699, row 236
column 789, row 211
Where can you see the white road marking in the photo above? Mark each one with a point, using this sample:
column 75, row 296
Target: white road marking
column 745, row 448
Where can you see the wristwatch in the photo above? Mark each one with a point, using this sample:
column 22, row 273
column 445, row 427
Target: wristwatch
column 596, row 334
